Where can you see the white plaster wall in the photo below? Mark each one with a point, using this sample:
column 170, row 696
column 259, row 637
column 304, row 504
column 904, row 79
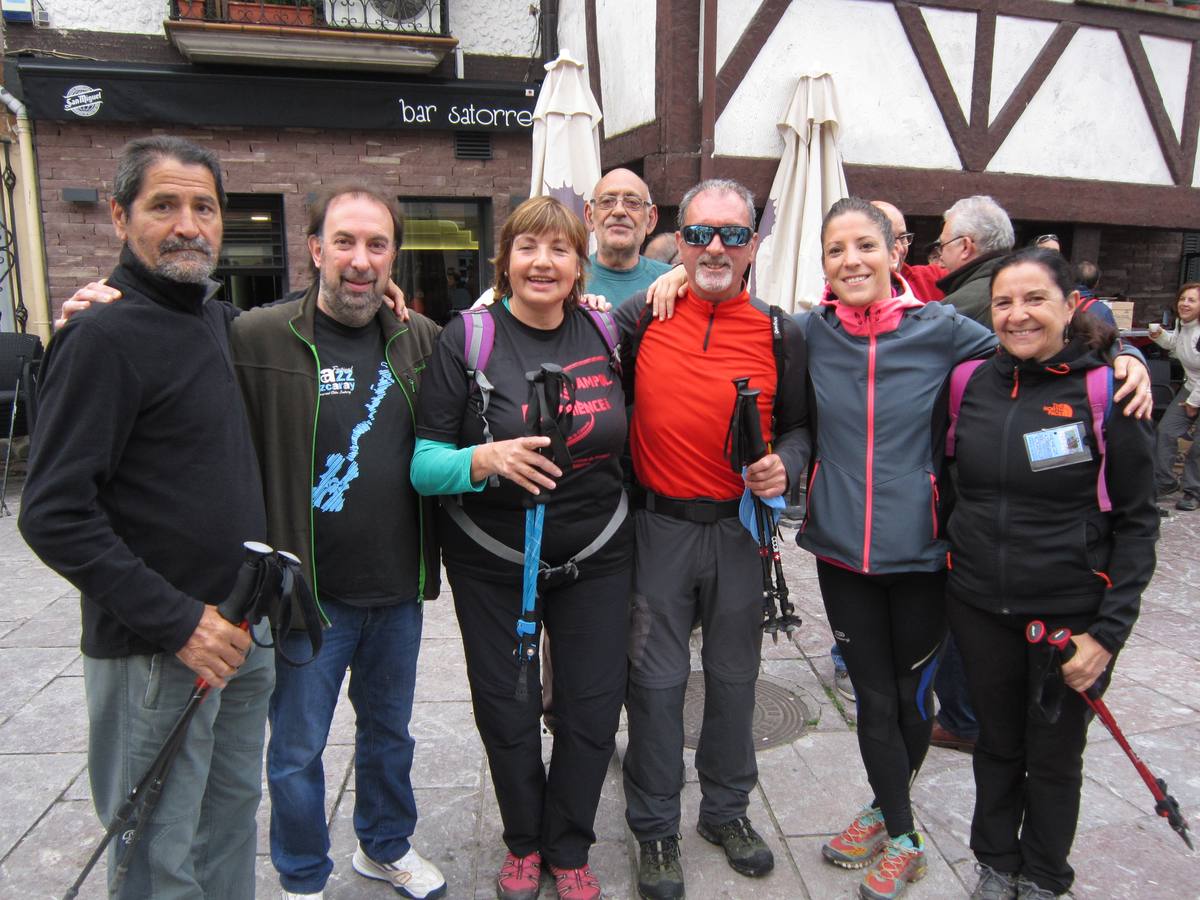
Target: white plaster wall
column 1169, row 60
column 625, row 41
column 572, row 28
column 732, row 18
column 1087, row 121
column 888, row 115
column 1018, row 42
column 954, row 35
column 125, row 16
column 492, row 28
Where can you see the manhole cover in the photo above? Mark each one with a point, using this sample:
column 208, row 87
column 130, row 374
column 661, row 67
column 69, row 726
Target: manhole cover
column 779, row 713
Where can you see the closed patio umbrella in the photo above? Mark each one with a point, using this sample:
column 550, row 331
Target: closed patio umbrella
column 787, row 269
column 566, row 135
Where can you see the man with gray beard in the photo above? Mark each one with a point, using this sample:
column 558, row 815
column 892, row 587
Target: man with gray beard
column 142, row 487
column 330, row 383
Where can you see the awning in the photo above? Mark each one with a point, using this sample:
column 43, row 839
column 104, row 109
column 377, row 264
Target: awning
column 69, row 91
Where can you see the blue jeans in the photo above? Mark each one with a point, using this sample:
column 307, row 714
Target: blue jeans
column 379, row 645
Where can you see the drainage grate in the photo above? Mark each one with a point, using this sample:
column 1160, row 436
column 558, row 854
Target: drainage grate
column 779, row 713
column 472, row 145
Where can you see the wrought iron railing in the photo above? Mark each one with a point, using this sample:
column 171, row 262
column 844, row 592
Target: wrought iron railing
column 421, row 17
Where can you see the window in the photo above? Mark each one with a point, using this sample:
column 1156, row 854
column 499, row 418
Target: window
column 252, row 265
column 442, row 264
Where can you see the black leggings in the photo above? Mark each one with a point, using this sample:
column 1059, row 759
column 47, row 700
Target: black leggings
column 889, row 629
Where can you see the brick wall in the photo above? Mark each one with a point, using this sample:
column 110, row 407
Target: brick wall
column 81, row 245
column 1142, row 264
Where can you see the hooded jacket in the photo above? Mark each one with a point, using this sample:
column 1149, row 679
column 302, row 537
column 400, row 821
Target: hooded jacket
column 1035, row 543
column 275, row 353
column 878, row 379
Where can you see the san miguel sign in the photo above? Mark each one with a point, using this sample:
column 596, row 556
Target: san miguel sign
column 70, row 90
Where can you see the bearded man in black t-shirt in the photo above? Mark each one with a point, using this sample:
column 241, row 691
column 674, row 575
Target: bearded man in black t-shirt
column 330, row 382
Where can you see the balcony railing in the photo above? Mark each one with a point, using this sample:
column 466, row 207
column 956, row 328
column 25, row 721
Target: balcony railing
column 429, row 18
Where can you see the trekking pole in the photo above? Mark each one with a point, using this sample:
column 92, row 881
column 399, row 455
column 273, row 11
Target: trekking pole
column 136, row 809
column 1164, row 804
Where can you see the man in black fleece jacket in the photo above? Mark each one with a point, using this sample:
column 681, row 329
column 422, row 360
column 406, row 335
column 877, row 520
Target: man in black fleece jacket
column 142, row 486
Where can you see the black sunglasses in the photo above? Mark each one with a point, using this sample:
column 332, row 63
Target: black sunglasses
column 702, row 235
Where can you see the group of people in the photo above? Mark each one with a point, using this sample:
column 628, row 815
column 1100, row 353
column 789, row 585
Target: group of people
column 513, row 420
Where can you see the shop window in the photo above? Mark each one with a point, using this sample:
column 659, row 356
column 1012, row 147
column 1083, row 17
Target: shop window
column 253, row 267
column 443, row 261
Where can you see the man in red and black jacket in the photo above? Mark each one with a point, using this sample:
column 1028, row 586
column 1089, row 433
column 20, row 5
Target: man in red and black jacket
column 682, row 370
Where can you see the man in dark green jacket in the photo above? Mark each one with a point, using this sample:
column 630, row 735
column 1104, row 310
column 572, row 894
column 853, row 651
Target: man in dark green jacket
column 976, row 235
column 330, row 384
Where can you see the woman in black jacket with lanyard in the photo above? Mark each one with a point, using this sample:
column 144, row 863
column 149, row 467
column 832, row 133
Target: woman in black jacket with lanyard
column 1051, row 524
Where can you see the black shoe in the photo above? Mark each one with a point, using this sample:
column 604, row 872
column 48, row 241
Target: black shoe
column 1163, row 492
column 1188, row 502
column 746, row 851
column 660, row 873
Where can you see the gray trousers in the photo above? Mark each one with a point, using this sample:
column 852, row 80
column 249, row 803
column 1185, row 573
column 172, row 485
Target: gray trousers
column 684, row 573
column 1171, row 427
column 201, row 840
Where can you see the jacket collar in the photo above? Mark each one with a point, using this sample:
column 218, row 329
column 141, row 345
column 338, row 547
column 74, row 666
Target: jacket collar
column 879, row 317
column 182, row 296
column 304, row 321
column 978, row 267
column 722, row 307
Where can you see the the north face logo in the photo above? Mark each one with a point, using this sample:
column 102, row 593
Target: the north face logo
column 1062, row 410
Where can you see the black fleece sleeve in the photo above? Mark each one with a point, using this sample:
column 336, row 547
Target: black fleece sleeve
column 89, row 397
column 1129, row 474
column 793, row 441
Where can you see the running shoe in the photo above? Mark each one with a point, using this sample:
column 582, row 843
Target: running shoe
column 994, row 885
column 1029, row 890
column 412, row 875
column 520, row 877
column 903, row 861
column 863, row 838
column 576, row 884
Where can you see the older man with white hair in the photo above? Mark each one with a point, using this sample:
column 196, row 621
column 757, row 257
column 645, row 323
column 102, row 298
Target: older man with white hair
column 976, row 234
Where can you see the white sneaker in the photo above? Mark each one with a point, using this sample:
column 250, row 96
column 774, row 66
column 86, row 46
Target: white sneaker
column 412, row 875
column 289, row 895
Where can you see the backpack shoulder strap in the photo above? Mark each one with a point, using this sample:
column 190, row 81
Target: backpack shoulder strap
column 1100, row 394
column 609, row 333
column 479, row 336
column 776, row 315
column 959, row 377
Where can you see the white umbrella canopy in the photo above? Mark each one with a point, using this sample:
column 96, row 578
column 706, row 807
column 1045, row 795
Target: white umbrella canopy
column 566, row 135
column 787, row 269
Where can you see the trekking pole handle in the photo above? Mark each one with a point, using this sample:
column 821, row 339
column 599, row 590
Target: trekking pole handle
column 1035, row 631
column 241, row 599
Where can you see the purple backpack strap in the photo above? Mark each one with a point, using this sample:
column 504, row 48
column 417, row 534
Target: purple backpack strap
column 609, row 333
column 1100, row 391
column 959, row 377
column 478, row 339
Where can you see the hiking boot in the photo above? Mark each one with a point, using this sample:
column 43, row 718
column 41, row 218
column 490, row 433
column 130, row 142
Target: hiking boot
column 855, row 847
column 745, row 849
column 903, row 861
column 412, row 875
column 660, row 873
column 1189, row 502
column 520, row 877
column 994, row 885
column 943, row 737
column 1161, row 492
column 1028, row 890
column 841, row 681
column 576, row 884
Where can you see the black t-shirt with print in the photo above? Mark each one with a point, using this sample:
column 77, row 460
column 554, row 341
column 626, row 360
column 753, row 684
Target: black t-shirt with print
column 585, row 497
column 365, row 512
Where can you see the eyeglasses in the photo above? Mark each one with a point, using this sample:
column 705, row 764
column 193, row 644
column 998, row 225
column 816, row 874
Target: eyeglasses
column 1045, row 238
column 936, row 248
column 702, row 235
column 905, row 238
column 631, row 202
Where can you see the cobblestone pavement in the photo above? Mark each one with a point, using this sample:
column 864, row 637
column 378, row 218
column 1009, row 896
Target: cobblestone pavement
column 809, row 788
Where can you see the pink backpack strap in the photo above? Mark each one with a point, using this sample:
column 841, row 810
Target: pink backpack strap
column 1100, row 392
column 959, row 377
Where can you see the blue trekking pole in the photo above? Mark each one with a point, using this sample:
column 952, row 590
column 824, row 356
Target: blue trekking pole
column 548, row 414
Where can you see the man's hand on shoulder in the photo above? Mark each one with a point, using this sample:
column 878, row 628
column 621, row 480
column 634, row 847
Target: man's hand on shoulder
column 216, row 648
column 95, row 292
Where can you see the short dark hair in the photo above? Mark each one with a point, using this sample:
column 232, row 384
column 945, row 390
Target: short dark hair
column 327, row 194
column 141, row 153
column 1088, row 274
column 1097, row 333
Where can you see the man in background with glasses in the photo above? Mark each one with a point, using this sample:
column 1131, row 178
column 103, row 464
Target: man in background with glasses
column 621, row 214
column 922, row 279
column 976, row 234
column 683, row 370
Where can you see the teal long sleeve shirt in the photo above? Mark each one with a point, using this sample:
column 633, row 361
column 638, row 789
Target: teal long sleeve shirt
column 441, row 468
